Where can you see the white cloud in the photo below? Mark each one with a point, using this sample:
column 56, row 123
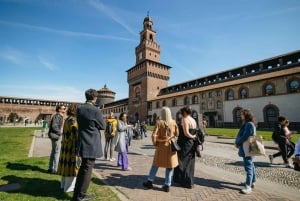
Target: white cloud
column 49, row 92
column 110, row 13
column 65, row 32
column 12, row 55
column 49, row 65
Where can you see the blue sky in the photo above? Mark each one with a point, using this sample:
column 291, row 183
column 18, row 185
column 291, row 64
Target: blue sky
column 51, row 49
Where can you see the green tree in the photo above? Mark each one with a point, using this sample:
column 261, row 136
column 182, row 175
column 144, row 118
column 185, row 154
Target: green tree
column 13, row 117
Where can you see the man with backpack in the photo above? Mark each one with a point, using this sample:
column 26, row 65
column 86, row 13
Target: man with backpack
column 281, row 139
column 110, row 132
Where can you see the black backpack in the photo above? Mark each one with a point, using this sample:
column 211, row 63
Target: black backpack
column 109, row 128
column 276, row 133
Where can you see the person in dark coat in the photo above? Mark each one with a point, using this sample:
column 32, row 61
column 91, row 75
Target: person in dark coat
column 90, row 121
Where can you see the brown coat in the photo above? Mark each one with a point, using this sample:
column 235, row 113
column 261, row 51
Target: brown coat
column 163, row 156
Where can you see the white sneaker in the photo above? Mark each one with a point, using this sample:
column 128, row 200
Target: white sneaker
column 112, row 159
column 287, row 165
column 244, row 184
column 246, row 190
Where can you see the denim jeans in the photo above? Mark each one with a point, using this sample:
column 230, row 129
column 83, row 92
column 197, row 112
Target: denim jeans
column 54, row 156
column 168, row 176
column 250, row 171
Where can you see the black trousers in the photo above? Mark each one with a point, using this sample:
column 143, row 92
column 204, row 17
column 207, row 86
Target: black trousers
column 283, row 151
column 83, row 177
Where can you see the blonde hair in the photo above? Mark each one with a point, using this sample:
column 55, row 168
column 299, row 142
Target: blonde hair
column 166, row 115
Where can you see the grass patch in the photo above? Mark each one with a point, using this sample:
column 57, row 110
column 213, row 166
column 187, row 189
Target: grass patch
column 30, row 173
column 231, row 133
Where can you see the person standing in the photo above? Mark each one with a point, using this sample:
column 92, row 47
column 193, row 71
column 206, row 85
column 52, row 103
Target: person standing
column 144, row 129
column 184, row 172
column 68, row 166
column 121, row 143
column 165, row 130
column 248, row 129
column 110, row 132
column 55, row 133
column 90, row 121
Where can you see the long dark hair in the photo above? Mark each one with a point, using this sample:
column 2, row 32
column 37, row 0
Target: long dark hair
column 122, row 115
column 249, row 117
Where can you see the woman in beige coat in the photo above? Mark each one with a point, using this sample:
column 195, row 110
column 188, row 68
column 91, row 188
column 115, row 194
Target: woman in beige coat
column 165, row 130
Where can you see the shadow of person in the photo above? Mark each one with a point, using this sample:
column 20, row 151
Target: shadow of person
column 257, row 164
column 21, row 166
column 212, row 183
column 37, row 187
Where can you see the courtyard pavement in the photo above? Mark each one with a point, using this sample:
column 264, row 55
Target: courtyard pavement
column 217, row 174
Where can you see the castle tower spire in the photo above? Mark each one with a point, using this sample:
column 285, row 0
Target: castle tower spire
column 148, row 49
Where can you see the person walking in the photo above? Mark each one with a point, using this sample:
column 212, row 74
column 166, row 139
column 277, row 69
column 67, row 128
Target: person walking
column 110, row 132
column 165, row 130
column 55, row 133
column 68, row 161
column 184, row 172
column 248, row 129
column 279, row 136
column 90, row 121
column 120, row 142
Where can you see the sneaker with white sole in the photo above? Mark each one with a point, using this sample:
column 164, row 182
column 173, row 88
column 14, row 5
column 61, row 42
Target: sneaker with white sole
column 246, row 190
column 287, row 165
column 244, row 184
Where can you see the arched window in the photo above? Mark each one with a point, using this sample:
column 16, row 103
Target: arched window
column 186, row 100
column 164, row 103
column 219, row 105
column 137, row 92
column 203, row 106
column 293, row 86
column 269, row 89
column 195, row 100
column 157, row 104
column 236, row 113
column 230, row 95
column 174, row 102
column 271, row 113
column 243, row 93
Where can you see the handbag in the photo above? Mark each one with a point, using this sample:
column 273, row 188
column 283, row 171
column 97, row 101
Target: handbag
column 174, row 146
column 253, row 146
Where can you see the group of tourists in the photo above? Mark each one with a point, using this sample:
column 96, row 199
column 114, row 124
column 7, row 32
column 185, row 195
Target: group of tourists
column 76, row 143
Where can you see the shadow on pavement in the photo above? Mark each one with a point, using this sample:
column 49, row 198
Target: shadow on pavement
column 257, row 164
column 211, row 183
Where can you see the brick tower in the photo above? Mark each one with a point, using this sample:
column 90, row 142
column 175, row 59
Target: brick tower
column 148, row 76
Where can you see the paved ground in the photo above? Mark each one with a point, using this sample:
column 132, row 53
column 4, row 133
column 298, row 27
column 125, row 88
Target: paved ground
column 217, row 174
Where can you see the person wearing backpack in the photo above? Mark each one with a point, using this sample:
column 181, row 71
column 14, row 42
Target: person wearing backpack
column 282, row 140
column 110, row 132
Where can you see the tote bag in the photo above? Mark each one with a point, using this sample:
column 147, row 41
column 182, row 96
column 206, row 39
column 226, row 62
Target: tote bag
column 253, row 146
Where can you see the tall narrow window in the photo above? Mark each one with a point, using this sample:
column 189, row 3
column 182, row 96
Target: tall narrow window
column 230, row 95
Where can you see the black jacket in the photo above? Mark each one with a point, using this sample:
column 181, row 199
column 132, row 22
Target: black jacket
column 90, row 121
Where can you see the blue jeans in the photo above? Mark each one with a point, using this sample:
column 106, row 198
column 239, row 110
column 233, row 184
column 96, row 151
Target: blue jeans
column 250, row 171
column 168, row 176
column 54, row 156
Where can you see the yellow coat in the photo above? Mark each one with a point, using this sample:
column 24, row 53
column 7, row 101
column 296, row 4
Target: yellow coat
column 114, row 126
column 163, row 156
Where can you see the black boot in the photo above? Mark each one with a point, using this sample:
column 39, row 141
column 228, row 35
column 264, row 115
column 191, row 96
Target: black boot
column 148, row 184
column 166, row 188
